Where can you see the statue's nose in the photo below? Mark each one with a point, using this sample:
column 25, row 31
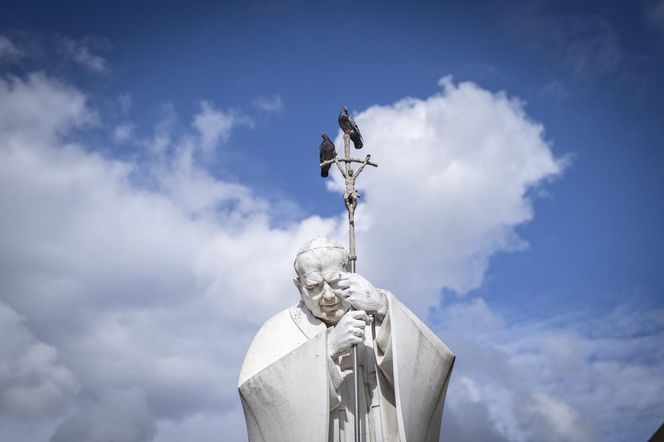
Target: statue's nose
column 328, row 293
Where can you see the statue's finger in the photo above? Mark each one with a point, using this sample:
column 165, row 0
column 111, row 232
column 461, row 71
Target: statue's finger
column 360, row 323
column 358, row 314
column 362, row 316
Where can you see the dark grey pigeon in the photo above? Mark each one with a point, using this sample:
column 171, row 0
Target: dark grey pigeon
column 327, row 152
column 348, row 125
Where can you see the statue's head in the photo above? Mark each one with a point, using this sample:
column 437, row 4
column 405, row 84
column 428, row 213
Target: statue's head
column 318, row 264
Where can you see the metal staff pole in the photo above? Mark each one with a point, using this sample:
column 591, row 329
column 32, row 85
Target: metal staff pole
column 350, row 200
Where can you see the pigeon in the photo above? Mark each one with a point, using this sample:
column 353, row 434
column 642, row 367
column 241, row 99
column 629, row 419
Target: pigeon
column 348, row 125
column 327, row 152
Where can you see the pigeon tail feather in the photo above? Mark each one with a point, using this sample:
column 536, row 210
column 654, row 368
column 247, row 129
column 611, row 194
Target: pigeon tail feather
column 357, row 140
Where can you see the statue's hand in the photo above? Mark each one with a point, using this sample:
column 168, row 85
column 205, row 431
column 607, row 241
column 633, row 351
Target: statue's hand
column 362, row 295
column 348, row 332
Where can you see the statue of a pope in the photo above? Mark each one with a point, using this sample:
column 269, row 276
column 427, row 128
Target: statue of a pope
column 296, row 383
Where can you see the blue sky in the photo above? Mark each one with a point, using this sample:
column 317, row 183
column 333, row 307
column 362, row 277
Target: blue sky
column 194, row 122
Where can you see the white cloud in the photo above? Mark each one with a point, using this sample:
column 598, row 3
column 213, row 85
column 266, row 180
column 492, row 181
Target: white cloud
column 80, row 53
column 270, row 104
column 118, row 416
column 454, row 179
column 150, row 291
column 162, row 134
column 215, row 126
column 37, row 110
column 564, row 379
column 123, row 132
column 125, row 103
column 8, row 50
column 32, row 380
column 560, row 417
column 203, row 427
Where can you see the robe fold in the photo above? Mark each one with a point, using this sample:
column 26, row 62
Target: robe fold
column 291, row 390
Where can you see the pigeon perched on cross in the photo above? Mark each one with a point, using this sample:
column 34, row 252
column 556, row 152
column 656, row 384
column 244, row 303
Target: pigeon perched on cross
column 348, row 125
column 327, row 152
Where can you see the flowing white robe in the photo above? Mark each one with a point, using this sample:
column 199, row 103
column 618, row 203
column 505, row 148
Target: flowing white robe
column 292, row 391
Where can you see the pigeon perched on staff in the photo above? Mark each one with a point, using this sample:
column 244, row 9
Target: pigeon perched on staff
column 348, row 125
column 327, row 152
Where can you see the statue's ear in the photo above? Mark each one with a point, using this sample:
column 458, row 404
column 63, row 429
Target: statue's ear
column 298, row 285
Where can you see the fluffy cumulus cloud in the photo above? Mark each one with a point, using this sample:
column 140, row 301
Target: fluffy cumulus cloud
column 32, row 381
column 37, row 111
column 126, row 302
column 455, row 176
column 130, row 290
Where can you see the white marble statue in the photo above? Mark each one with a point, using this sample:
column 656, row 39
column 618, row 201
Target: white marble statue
column 296, row 383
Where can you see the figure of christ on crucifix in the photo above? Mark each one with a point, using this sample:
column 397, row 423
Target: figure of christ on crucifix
column 351, row 195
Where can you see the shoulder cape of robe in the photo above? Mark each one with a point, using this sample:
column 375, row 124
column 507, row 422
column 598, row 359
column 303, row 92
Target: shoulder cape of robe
column 286, row 387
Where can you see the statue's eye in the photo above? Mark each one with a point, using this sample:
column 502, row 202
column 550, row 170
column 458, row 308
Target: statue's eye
column 314, row 286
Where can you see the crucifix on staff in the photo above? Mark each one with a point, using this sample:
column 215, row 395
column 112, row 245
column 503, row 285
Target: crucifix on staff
column 328, row 156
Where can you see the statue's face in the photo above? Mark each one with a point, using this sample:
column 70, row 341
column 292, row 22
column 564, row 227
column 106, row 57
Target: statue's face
column 318, row 277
